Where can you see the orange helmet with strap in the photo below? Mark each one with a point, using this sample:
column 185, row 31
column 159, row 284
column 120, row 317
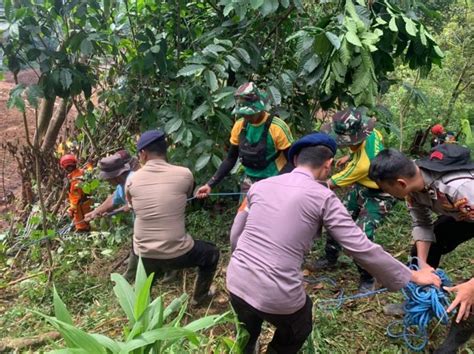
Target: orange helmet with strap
column 68, row 160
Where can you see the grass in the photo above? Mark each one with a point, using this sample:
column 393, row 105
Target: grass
column 82, row 277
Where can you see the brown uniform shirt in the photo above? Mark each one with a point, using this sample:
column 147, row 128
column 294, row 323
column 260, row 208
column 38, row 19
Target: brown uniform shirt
column 158, row 193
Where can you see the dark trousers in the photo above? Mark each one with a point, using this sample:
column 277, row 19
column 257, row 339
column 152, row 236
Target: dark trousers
column 449, row 235
column 291, row 330
column 203, row 255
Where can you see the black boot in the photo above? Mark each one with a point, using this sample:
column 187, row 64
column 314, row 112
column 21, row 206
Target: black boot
column 202, row 288
column 459, row 334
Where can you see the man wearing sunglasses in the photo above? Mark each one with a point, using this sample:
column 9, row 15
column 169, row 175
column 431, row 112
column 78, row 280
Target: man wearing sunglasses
column 259, row 139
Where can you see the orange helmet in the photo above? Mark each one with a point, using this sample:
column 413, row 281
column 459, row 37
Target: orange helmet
column 437, row 129
column 68, row 160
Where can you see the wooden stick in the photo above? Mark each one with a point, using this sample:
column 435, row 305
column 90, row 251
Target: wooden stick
column 7, row 344
column 23, row 278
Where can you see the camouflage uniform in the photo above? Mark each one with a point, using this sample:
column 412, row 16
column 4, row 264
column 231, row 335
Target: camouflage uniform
column 367, row 204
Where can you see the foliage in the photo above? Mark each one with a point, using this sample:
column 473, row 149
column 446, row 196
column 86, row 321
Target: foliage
column 150, row 327
column 175, row 64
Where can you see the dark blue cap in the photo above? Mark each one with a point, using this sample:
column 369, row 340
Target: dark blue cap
column 149, row 137
column 312, row 139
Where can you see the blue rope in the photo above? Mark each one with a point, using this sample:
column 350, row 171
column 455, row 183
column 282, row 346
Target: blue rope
column 341, row 299
column 423, row 303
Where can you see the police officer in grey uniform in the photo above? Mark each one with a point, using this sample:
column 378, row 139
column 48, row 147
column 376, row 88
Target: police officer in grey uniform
column 442, row 183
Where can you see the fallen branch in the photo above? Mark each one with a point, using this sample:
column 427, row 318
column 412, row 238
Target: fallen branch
column 7, row 344
column 22, row 278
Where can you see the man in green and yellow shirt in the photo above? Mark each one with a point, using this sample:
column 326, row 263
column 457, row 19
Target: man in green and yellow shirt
column 366, row 202
column 260, row 140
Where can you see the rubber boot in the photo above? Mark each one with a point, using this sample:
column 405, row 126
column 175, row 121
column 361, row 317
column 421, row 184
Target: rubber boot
column 131, row 267
column 459, row 334
column 202, row 288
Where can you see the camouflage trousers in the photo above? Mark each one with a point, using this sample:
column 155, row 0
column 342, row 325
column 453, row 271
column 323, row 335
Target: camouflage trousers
column 368, row 208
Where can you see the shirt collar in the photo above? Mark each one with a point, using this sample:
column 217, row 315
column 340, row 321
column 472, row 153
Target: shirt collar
column 303, row 171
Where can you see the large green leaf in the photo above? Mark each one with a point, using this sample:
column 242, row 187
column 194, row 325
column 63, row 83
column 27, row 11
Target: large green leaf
column 75, row 337
column 193, row 69
column 200, row 111
column 393, row 24
column 256, row 4
column 207, row 322
column 353, row 39
column 202, row 161
column 143, row 298
column 243, row 54
column 125, row 295
column 410, row 26
column 211, row 80
column 60, row 310
column 276, row 95
column 335, row 40
column 173, row 125
column 161, row 334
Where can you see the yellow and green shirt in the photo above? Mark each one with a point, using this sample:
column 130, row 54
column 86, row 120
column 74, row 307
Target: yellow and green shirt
column 278, row 139
column 357, row 171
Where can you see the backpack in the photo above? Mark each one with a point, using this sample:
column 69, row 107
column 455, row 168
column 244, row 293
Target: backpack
column 255, row 155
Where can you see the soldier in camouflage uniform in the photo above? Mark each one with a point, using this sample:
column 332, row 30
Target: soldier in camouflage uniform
column 366, row 203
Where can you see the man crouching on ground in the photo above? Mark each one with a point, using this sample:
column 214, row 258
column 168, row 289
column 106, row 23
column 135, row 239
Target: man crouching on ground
column 158, row 193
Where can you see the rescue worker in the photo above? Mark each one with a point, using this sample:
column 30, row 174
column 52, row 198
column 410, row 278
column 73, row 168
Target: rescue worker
column 441, row 136
column 116, row 170
column 79, row 202
column 367, row 204
column 271, row 236
column 442, row 183
column 259, row 139
column 158, row 193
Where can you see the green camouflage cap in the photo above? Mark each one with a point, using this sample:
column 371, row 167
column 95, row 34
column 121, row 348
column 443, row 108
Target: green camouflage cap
column 349, row 127
column 248, row 100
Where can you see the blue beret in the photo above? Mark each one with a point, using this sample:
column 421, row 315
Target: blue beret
column 149, row 137
column 312, row 139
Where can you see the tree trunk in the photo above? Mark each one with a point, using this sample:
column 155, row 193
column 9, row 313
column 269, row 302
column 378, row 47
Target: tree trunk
column 46, row 112
column 455, row 94
column 55, row 125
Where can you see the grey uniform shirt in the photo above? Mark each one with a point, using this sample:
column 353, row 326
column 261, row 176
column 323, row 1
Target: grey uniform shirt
column 450, row 194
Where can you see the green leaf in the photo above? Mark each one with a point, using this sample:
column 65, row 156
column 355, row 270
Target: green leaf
column 75, row 337
column 86, row 47
column 335, row 41
column 311, row 64
column 143, row 297
column 410, row 26
column 207, row 322
column 234, row 62
column 175, row 305
column 60, row 310
column 33, row 93
column 213, row 50
column 160, row 334
column 276, row 95
column 16, row 99
column 285, row 3
column 216, row 161
column 193, row 69
column 125, row 295
column 243, row 54
column 353, row 39
column 173, row 125
column 66, row 78
column 211, row 80
column 202, row 161
column 140, row 278
column 256, row 4
column 438, row 51
column 201, row 110
column 423, row 37
column 393, row 24
column 107, row 342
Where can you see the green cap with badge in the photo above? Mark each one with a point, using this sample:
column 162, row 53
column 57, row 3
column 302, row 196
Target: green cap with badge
column 248, row 100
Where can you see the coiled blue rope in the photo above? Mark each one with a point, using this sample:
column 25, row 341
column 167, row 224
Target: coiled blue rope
column 422, row 305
